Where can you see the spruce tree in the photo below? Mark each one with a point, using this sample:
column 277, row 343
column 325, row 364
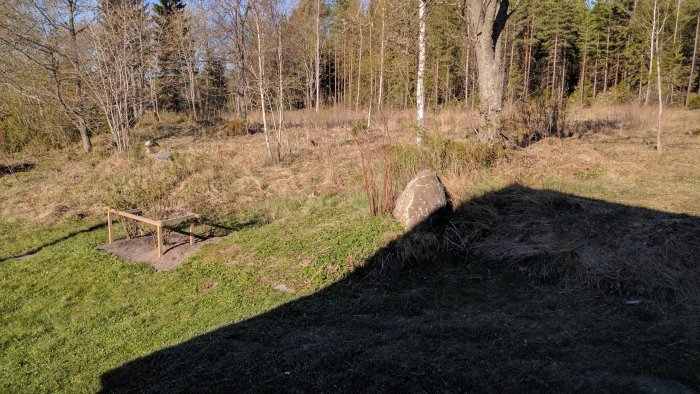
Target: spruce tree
column 169, row 20
column 216, row 91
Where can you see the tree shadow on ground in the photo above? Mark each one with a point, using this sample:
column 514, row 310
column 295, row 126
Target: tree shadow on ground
column 466, row 321
column 37, row 249
column 15, row 168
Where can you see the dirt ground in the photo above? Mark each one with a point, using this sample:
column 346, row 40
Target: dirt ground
column 143, row 250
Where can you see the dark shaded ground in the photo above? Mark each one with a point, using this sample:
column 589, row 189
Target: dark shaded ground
column 449, row 326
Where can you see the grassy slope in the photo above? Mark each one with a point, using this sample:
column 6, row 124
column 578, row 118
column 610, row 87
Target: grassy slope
column 71, row 313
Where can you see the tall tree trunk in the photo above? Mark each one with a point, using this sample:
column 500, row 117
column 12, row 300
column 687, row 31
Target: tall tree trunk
column 617, row 69
column 583, row 78
column 318, row 54
column 280, row 94
column 466, row 67
column 563, row 77
column 651, row 53
column 261, row 88
column 446, row 96
column 359, row 66
column 420, row 89
column 77, row 114
column 241, row 18
column 595, row 66
column 528, row 59
column 678, row 17
column 380, row 98
column 692, row 64
column 510, row 89
column 554, row 66
column 661, row 103
column 436, row 81
column 371, row 75
column 606, row 77
column 489, row 20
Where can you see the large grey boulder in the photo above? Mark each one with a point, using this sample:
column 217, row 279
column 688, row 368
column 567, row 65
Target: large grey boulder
column 423, row 196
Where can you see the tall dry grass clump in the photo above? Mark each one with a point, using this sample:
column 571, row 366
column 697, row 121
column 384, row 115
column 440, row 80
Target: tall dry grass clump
column 444, row 156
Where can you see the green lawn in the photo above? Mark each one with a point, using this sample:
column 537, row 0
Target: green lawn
column 71, row 313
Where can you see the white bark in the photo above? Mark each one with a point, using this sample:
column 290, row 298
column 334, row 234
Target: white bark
column 651, row 52
column 661, row 102
column 261, row 85
column 420, row 84
column 318, row 54
column 692, row 64
column 280, row 94
column 380, row 99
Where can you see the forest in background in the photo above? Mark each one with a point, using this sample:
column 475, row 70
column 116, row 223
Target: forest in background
column 72, row 69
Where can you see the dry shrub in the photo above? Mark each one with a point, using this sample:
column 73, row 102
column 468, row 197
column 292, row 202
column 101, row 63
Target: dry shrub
column 140, row 187
column 147, row 120
column 581, row 243
column 443, row 156
column 235, row 128
column 533, row 120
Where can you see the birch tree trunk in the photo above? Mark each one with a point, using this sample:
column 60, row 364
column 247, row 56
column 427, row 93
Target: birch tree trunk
column 661, row 102
column 280, row 94
column 651, row 53
column 261, row 86
column 380, row 99
column 420, row 83
column 692, row 64
column 359, row 63
column 318, row 54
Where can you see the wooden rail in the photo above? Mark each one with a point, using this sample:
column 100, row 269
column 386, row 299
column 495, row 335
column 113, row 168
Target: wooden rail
column 159, row 224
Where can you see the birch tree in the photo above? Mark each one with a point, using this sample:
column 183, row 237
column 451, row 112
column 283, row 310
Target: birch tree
column 318, row 54
column 117, row 67
column 692, row 64
column 420, row 81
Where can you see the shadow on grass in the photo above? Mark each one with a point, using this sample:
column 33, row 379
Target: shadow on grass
column 469, row 321
column 53, row 242
column 13, row 169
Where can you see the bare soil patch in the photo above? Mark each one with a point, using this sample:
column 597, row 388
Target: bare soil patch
column 142, row 250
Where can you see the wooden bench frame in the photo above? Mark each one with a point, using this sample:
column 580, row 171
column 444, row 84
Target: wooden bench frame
column 159, row 224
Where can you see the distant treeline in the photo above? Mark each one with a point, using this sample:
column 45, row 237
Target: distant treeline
column 72, row 68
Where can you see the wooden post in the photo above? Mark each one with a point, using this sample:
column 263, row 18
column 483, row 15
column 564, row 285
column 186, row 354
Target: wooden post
column 158, row 224
column 159, row 235
column 109, row 225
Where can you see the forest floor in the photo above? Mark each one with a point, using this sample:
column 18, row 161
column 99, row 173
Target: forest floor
column 280, row 304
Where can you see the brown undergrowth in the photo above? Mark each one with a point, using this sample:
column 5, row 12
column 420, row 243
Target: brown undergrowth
column 611, row 160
